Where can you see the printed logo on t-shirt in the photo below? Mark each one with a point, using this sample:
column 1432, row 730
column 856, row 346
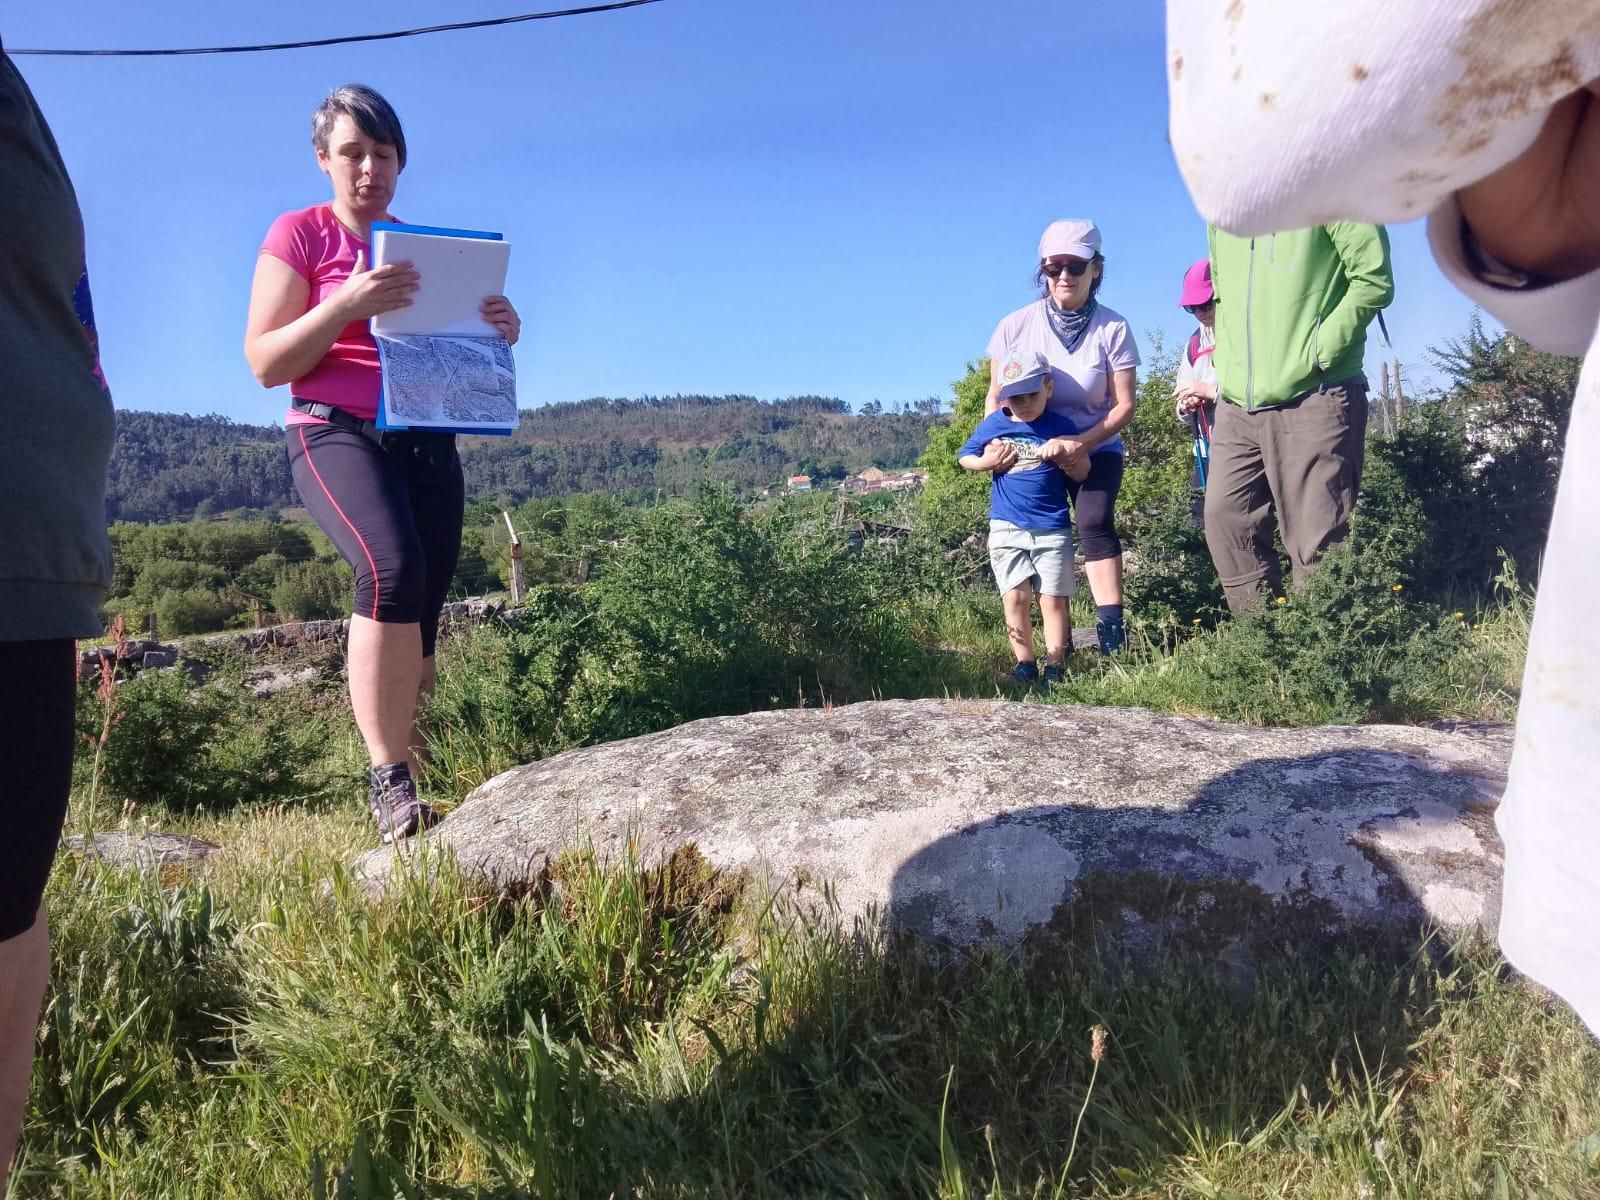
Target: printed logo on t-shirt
column 1027, row 452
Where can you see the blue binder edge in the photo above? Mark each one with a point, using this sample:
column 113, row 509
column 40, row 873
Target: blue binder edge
column 437, row 231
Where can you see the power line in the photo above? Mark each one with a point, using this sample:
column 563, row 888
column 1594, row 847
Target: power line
column 343, row 41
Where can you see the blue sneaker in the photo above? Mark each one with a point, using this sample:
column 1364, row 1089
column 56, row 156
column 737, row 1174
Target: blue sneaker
column 1024, row 674
column 1113, row 637
column 1054, row 676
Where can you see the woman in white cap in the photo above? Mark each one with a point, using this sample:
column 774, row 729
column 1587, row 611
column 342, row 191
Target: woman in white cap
column 1094, row 368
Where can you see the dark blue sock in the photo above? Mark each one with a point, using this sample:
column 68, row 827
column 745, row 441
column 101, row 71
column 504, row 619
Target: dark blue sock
column 1109, row 612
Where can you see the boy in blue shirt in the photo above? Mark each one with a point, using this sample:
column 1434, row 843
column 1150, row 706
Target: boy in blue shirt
column 1030, row 526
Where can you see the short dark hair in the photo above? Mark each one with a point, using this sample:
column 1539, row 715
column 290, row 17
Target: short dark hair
column 1094, row 288
column 371, row 113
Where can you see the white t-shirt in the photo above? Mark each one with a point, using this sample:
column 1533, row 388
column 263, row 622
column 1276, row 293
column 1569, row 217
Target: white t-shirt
column 1202, row 369
column 1082, row 378
column 1411, row 103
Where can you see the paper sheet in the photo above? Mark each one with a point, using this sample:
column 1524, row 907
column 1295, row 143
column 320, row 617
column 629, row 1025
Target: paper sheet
column 457, row 273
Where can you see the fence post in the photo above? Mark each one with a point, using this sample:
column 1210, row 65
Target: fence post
column 1386, row 407
column 516, row 560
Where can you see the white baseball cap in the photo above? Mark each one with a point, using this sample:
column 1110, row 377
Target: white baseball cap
column 1021, row 372
column 1074, row 236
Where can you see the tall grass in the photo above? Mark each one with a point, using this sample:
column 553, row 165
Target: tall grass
column 665, row 1034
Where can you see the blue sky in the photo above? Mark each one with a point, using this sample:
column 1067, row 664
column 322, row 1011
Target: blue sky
column 835, row 197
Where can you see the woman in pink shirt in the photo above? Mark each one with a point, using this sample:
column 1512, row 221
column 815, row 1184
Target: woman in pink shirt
column 391, row 502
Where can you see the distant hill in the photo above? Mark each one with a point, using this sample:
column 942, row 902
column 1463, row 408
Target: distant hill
column 167, row 466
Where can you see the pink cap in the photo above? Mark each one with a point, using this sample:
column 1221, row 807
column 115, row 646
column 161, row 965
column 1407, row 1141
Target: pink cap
column 1197, row 284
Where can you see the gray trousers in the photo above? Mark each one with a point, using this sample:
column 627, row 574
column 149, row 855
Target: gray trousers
column 1297, row 467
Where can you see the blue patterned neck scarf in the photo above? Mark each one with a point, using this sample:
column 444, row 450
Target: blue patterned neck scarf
column 1070, row 325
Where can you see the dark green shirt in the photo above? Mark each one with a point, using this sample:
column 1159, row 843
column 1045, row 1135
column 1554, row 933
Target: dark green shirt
column 56, row 423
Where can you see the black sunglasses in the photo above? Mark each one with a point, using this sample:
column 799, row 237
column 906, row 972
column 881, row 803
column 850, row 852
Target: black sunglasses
column 1196, row 309
column 1075, row 268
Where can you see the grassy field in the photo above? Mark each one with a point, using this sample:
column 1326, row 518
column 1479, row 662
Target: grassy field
column 265, row 1031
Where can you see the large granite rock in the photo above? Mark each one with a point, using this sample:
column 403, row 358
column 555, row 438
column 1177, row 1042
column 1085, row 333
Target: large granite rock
column 978, row 822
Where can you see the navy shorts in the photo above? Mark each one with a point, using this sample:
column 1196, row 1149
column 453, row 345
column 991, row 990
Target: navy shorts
column 38, row 691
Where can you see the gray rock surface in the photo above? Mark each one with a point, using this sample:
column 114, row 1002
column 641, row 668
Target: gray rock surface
column 987, row 821
column 147, row 851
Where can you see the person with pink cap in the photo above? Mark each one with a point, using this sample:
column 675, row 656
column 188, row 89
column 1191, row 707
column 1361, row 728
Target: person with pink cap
column 1094, row 364
column 1195, row 387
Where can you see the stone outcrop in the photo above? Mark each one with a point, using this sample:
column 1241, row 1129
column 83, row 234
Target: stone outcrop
column 146, row 851
column 987, row 822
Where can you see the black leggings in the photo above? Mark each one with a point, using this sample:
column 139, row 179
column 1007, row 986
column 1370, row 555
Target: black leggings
column 1094, row 505
column 38, row 682
column 392, row 511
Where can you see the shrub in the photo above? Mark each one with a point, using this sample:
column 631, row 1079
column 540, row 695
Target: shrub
column 193, row 610
column 313, row 591
column 171, row 743
column 955, row 500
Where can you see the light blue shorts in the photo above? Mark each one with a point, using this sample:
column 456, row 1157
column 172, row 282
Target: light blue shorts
column 1042, row 557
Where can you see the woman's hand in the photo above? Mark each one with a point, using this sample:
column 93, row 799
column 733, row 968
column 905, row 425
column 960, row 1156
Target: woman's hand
column 497, row 310
column 1069, row 454
column 366, row 294
column 1541, row 211
column 1195, row 395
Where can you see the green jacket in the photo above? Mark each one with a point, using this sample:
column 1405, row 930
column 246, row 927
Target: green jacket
column 1293, row 308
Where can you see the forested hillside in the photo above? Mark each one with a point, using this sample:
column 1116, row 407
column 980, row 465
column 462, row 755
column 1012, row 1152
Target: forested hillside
column 169, row 466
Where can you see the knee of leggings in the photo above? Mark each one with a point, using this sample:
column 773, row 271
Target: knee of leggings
column 393, row 592
column 1099, row 540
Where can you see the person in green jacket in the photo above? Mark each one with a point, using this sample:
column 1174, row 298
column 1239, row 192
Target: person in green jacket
column 1288, row 442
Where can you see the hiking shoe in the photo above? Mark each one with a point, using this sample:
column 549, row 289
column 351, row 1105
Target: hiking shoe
column 1024, row 674
column 1113, row 637
column 396, row 808
column 1054, row 676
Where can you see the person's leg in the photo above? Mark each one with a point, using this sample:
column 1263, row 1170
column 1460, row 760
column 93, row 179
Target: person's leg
column 1057, row 631
column 24, row 972
column 356, row 491
column 357, row 494
column 1313, row 465
column 385, row 666
column 1018, row 605
column 1238, row 512
column 1094, row 503
column 438, row 504
column 37, row 682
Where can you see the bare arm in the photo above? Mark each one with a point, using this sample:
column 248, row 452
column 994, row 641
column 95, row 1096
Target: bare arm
column 997, row 456
column 1124, row 398
column 991, row 402
column 283, row 340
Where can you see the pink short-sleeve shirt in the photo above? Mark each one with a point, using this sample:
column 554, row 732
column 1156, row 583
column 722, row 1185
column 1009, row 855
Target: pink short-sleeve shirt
column 322, row 251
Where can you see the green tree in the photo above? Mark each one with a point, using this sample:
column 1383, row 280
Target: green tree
column 954, row 500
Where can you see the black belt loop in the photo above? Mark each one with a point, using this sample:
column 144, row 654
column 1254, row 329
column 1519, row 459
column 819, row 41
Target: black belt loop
column 339, row 417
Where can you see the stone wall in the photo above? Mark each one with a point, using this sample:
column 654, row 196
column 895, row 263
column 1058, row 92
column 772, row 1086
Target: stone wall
column 275, row 640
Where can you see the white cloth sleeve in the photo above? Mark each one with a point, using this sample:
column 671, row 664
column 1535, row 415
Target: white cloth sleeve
column 1549, row 819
